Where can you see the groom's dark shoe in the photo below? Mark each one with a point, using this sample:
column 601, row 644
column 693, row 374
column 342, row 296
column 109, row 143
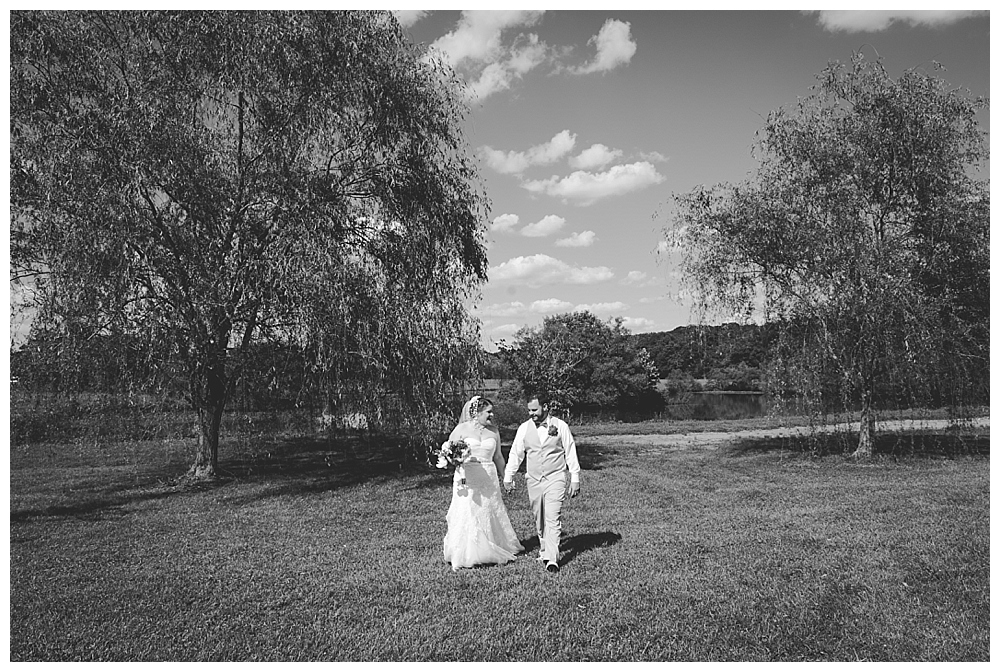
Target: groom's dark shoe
column 552, row 568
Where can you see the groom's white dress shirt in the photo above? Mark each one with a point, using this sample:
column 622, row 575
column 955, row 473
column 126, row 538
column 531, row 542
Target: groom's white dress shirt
column 517, row 449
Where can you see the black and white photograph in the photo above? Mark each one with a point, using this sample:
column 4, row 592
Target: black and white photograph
column 499, row 336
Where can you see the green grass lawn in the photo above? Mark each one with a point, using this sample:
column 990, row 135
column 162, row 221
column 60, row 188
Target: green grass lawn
column 756, row 552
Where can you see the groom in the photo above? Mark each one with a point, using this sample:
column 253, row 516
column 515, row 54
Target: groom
column 551, row 452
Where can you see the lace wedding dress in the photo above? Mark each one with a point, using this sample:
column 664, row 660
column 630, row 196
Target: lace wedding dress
column 479, row 530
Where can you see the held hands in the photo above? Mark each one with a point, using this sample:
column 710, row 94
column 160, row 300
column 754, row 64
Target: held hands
column 574, row 488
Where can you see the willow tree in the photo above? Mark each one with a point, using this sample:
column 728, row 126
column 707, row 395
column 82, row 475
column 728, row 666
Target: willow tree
column 864, row 234
column 214, row 179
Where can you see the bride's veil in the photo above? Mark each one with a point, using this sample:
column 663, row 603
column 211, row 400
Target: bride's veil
column 467, row 409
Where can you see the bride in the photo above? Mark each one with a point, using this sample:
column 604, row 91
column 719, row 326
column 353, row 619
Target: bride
column 479, row 530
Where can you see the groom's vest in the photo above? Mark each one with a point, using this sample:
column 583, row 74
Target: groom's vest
column 545, row 457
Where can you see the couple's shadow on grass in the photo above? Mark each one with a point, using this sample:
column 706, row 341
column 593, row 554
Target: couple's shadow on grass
column 570, row 547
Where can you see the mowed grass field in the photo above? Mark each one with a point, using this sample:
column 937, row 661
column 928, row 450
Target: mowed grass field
column 307, row 551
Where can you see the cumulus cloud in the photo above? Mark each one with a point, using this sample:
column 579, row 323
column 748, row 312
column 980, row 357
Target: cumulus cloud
column 615, row 47
column 609, row 307
column 653, row 157
column 408, row 17
column 526, row 55
column 860, row 21
column 505, row 329
column 595, row 156
column 505, row 162
column 493, row 49
column 638, row 279
column 513, row 162
column 493, row 78
column 586, row 188
column 500, row 75
column 541, row 269
column 550, row 306
column 477, row 37
column 561, row 144
column 546, row 226
column 501, row 309
column 637, row 323
column 504, row 223
column 483, row 50
column 582, row 239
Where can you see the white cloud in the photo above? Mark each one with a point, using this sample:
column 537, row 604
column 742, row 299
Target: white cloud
column 653, row 157
column 638, row 279
column 860, row 21
column 408, row 17
column 546, row 226
column 541, row 269
column 550, row 306
column 492, row 79
column 613, row 306
column 595, row 156
column 478, row 35
column 505, row 162
column 500, row 75
column 505, row 329
column 636, row 323
column 615, row 47
column 582, row 239
column 525, row 58
column 482, row 50
column 502, row 309
column 586, row 188
column 505, row 223
column 517, row 162
column 561, row 144
column 651, row 299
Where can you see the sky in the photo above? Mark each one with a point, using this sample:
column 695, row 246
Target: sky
column 586, row 124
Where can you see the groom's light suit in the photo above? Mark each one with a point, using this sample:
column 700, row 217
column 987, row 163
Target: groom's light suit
column 548, row 459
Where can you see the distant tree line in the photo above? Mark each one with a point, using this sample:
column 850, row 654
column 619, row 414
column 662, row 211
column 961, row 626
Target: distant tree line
column 274, row 377
column 733, row 356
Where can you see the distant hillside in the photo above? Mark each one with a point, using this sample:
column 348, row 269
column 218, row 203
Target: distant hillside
column 733, row 353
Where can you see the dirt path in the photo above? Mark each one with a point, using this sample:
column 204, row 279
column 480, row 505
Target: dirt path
column 714, row 440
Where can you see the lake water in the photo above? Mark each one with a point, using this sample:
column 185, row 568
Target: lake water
column 697, row 406
column 718, row 406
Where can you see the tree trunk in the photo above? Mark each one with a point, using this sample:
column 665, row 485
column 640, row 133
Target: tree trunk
column 211, row 405
column 866, row 441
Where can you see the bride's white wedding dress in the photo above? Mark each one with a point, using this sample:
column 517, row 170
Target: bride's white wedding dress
column 479, row 530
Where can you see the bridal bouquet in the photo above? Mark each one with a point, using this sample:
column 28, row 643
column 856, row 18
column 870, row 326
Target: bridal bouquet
column 453, row 453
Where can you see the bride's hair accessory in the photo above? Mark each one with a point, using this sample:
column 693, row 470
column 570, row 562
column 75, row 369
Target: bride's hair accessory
column 473, row 407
